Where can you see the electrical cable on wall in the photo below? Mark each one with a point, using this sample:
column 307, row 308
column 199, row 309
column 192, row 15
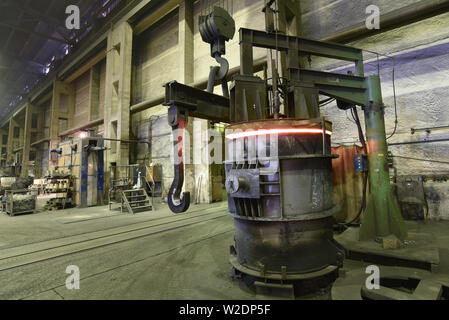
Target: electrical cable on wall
column 420, row 159
column 356, row 118
column 362, row 138
column 395, row 104
column 394, row 86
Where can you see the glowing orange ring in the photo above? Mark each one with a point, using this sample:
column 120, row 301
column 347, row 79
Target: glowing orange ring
column 246, row 134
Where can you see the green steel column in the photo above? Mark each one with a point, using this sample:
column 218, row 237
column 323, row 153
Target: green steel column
column 382, row 216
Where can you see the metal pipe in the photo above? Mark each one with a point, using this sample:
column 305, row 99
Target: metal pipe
column 417, row 142
column 418, row 159
column 202, row 84
column 394, row 19
column 127, row 141
column 428, row 130
column 83, row 127
column 39, row 142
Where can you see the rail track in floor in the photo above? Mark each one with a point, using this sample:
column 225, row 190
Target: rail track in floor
column 49, row 249
column 188, row 215
column 196, row 241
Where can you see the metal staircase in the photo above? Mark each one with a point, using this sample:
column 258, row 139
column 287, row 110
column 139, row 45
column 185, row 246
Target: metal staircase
column 136, row 200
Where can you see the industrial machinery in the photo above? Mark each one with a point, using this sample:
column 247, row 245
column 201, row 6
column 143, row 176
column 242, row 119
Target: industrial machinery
column 19, row 202
column 279, row 161
column 84, row 159
column 60, row 186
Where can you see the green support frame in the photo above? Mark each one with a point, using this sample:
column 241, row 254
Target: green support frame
column 382, row 216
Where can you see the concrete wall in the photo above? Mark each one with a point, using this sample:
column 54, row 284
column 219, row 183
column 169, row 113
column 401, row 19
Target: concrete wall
column 82, row 111
column 323, row 18
column 102, row 88
column 156, row 61
column 3, row 146
column 421, row 52
column 421, row 72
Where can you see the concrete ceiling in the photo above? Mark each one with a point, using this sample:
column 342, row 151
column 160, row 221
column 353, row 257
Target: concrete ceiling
column 33, row 39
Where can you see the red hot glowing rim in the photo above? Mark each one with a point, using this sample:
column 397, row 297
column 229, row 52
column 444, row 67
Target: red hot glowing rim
column 246, row 134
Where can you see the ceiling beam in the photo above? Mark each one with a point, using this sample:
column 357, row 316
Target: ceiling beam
column 49, row 20
column 20, row 59
column 9, row 82
column 19, row 21
column 32, row 12
column 92, row 19
column 33, row 33
column 20, row 70
column 100, row 56
column 90, row 44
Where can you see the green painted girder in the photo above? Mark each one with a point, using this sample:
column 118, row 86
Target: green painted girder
column 348, row 88
column 382, row 216
column 304, row 46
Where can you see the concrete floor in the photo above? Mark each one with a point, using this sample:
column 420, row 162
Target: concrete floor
column 150, row 255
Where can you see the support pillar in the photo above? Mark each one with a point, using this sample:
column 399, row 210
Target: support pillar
column 118, row 95
column 382, row 216
column 14, row 142
column 202, row 162
column 39, row 135
column 186, row 75
column 10, row 146
column 62, row 108
column 30, row 109
column 3, row 145
column 94, row 93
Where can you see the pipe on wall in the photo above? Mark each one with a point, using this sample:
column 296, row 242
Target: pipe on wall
column 202, row 84
column 127, row 141
column 418, row 142
column 86, row 126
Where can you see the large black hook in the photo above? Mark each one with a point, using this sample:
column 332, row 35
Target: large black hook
column 219, row 74
column 177, row 203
